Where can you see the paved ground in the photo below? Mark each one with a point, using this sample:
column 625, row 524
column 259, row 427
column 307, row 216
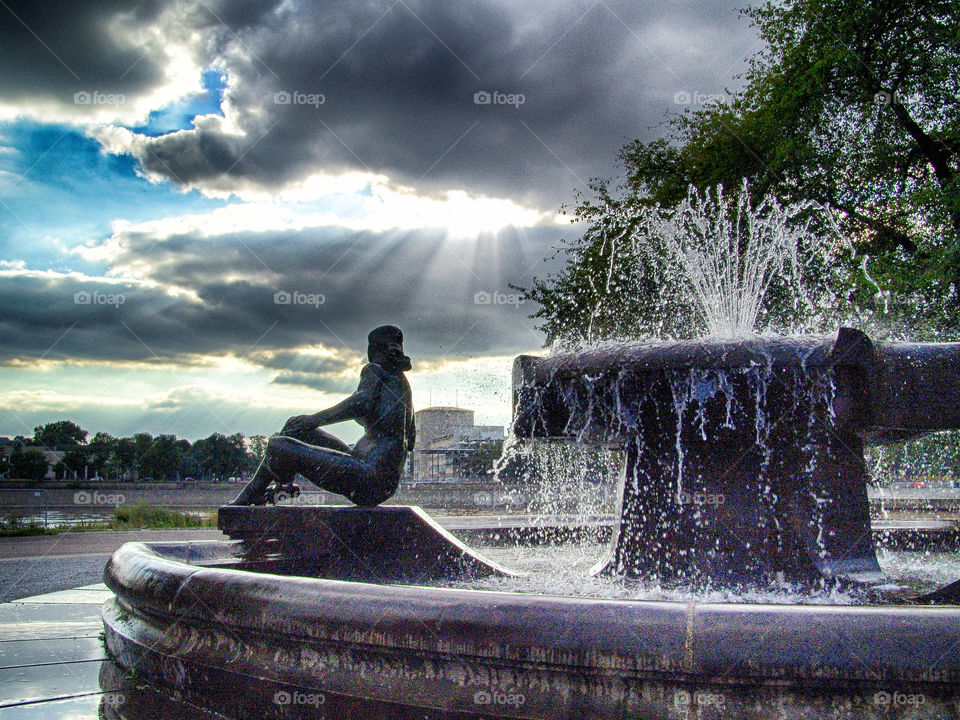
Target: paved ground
column 35, row 576
column 47, row 563
column 53, row 665
column 94, row 542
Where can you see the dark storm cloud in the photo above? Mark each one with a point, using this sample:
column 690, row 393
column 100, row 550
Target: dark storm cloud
column 50, row 50
column 54, row 49
column 320, row 382
column 261, row 296
column 398, row 80
column 329, row 373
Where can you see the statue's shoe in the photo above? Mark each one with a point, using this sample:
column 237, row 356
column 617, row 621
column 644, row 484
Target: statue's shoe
column 276, row 493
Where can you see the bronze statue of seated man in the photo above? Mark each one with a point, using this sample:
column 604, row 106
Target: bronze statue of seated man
column 369, row 472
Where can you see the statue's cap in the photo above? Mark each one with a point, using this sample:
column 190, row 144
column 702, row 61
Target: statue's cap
column 384, row 334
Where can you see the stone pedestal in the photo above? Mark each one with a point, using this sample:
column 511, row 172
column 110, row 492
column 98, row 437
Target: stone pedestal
column 382, row 544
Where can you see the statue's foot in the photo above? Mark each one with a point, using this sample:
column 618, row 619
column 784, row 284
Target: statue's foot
column 245, row 498
column 276, row 493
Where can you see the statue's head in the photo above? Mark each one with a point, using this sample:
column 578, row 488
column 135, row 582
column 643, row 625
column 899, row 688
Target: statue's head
column 385, row 347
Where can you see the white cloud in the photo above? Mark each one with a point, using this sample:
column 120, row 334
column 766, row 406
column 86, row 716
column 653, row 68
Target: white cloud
column 354, row 202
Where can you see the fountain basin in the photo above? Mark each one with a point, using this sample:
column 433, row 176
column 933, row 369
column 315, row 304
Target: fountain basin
column 206, row 622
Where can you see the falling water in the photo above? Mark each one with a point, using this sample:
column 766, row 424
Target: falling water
column 726, row 254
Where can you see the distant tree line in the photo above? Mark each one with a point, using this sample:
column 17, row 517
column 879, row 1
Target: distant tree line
column 139, row 457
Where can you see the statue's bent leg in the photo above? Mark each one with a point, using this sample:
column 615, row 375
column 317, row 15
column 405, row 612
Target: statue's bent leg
column 319, row 438
column 276, row 468
column 365, row 482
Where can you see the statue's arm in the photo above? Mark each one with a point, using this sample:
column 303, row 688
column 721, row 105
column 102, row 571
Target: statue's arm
column 353, row 407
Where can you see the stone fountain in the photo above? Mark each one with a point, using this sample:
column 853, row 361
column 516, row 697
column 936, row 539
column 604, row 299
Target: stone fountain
column 743, row 466
column 744, row 458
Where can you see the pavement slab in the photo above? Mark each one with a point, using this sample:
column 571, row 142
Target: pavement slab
column 51, row 657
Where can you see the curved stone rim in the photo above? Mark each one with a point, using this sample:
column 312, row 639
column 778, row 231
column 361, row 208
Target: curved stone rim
column 727, row 644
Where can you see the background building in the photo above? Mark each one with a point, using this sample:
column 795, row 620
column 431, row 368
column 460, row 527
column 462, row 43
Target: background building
column 451, row 448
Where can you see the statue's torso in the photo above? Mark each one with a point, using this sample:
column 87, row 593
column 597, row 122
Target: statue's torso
column 389, row 412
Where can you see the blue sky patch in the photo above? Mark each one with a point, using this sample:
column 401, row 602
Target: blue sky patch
column 57, row 185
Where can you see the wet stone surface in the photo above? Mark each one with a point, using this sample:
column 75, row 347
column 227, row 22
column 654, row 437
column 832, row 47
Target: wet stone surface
column 51, row 655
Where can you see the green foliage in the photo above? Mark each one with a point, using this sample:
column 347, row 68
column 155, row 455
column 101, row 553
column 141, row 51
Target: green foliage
column 852, row 105
column 932, row 457
column 133, row 517
column 220, row 456
column 13, row 528
column 482, row 458
column 27, row 464
column 257, row 448
column 164, row 459
column 73, row 463
column 99, row 453
column 124, row 457
column 63, row 432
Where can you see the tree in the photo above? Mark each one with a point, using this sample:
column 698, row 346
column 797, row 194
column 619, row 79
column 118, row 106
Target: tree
column 142, row 442
column 100, row 453
column 28, row 464
column 62, row 432
column 850, row 104
column 74, row 464
column 124, row 458
column 221, row 456
column 481, row 459
column 256, row 446
column 163, row 460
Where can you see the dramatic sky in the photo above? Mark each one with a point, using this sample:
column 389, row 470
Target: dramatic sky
column 206, row 205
